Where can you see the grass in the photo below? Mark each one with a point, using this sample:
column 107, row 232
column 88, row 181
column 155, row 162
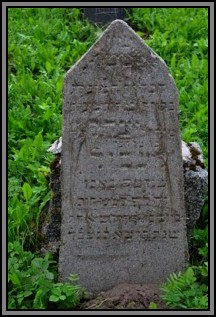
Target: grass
column 43, row 43
column 40, row 52
column 180, row 37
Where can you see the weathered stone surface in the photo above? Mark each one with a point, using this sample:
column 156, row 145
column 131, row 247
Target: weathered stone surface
column 104, row 15
column 196, row 185
column 123, row 213
column 195, row 189
column 192, row 156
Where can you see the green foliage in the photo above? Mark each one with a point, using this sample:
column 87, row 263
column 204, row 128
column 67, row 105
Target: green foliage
column 43, row 43
column 32, row 282
column 67, row 295
column 27, row 191
column 200, row 245
column 189, row 289
column 153, row 305
column 183, row 291
column 180, row 37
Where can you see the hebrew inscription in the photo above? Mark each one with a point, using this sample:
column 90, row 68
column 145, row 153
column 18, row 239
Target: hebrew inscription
column 122, row 186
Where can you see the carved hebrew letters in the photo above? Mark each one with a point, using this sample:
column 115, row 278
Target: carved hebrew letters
column 122, row 171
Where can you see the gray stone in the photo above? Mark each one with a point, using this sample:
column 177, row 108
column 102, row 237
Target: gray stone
column 195, row 189
column 123, row 212
column 103, row 16
column 196, row 185
column 56, row 147
column 192, row 156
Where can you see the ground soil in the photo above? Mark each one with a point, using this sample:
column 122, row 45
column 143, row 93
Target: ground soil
column 127, row 296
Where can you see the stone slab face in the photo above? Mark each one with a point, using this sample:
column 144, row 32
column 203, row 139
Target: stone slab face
column 104, row 15
column 123, row 214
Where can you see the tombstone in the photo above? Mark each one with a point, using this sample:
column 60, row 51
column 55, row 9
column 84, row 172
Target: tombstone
column 123, row 214
column 103, row 16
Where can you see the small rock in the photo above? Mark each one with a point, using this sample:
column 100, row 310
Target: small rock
column 56, row 146
column 192, row 156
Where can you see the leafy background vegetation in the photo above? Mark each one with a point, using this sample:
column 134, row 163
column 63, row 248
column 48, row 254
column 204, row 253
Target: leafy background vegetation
column 43, row 43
